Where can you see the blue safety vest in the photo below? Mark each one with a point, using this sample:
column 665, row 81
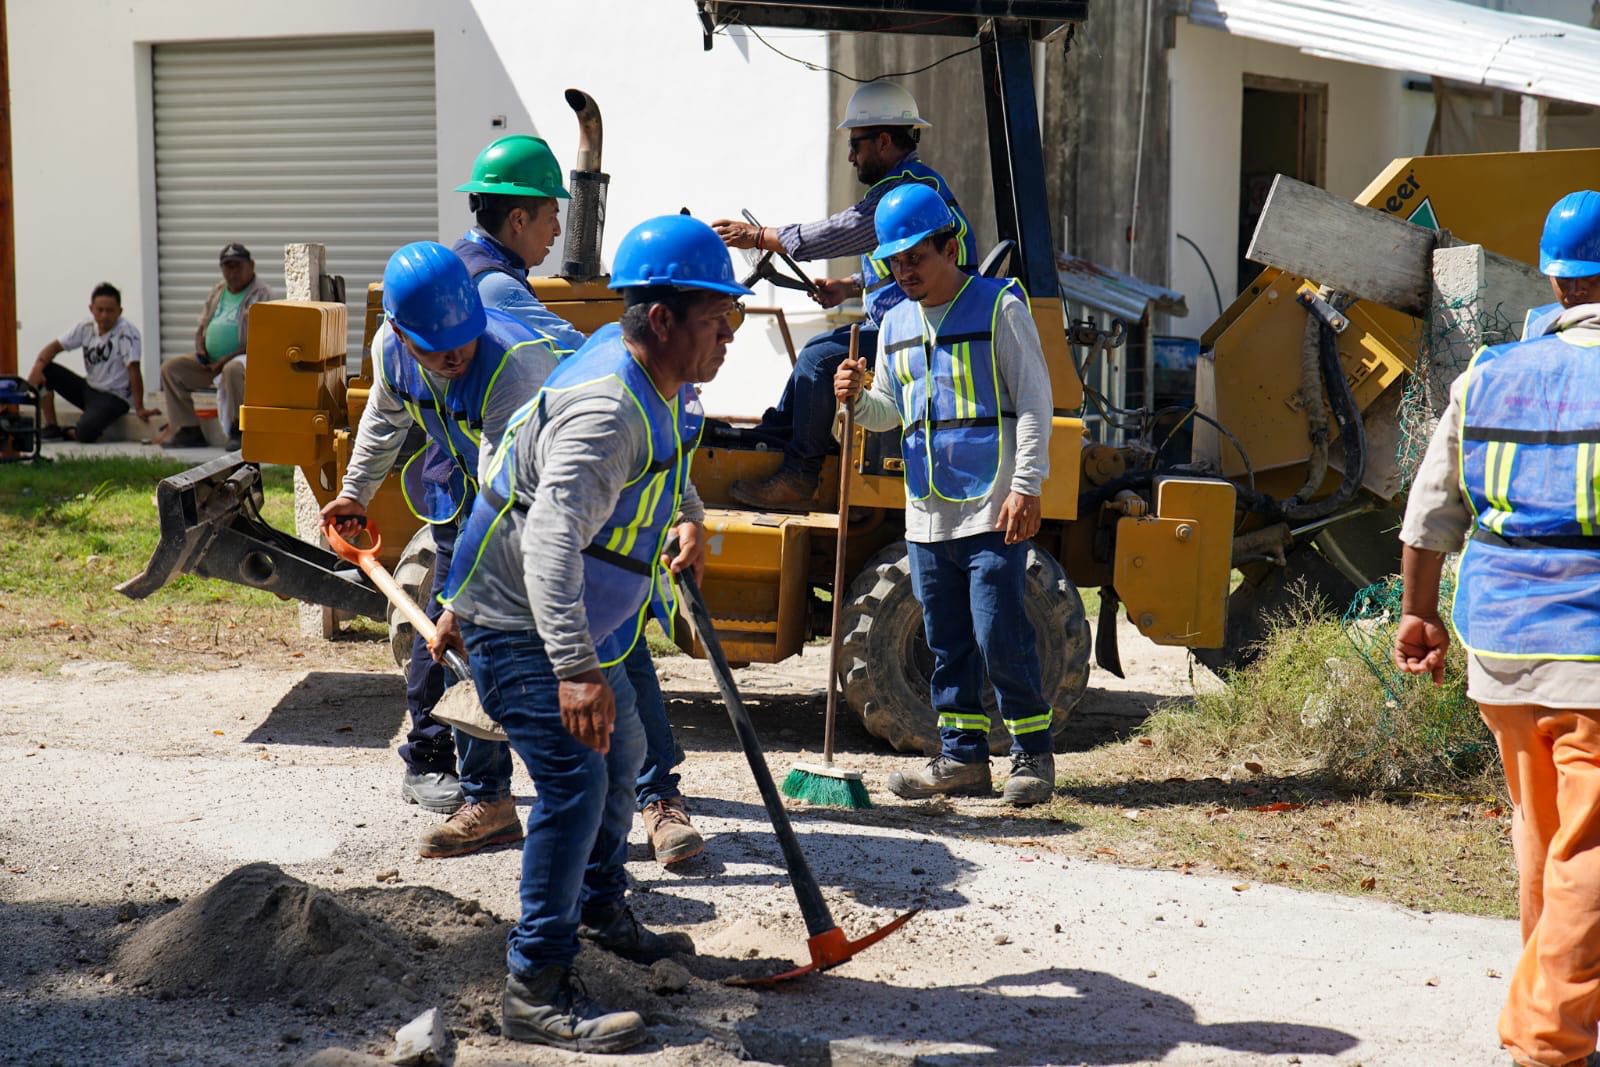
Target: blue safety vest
column 622, row 574
column 453, row 418
column 1529, row 582
column 879, row 290
column 1541, row 320
column 953, row 425
column 483, row 255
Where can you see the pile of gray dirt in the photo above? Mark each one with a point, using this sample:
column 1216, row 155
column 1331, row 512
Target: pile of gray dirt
column 260, row 934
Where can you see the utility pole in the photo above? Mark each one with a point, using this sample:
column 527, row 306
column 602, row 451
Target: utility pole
column 8, row 232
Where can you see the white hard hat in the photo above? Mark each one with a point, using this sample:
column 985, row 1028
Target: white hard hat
column 881, row 104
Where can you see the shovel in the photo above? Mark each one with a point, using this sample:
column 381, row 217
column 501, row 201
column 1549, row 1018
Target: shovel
column 459, row 706
column 826, row 942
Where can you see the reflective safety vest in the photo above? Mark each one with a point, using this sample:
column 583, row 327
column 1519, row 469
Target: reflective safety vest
column 879, row 290
column 1528, row 586
column 484, row 255
column 622, row 574
column 453, row 418
column 1541, row 320
column 953, row 427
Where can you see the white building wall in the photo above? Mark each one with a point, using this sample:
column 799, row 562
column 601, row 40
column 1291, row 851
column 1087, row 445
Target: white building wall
column 1372, row 118
column 736, row 127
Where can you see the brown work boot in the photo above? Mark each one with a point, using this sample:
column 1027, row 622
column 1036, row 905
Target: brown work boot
column 787, row 490
column 942, row 776
column 673, row 837
column 473, row 826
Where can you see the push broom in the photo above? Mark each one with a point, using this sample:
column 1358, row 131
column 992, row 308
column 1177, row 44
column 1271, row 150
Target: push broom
column 825, row 942
column 823, row 783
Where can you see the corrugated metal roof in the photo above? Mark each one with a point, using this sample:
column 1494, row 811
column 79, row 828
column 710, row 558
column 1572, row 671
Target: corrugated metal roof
column 1122, row 295
column 1444, row 38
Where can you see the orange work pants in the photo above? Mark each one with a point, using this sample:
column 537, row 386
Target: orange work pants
column 1552, row 764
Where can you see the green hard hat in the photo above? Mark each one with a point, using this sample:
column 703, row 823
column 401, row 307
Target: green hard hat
column 516, row 165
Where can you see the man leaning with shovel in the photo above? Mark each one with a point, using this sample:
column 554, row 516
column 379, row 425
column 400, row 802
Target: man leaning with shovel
column 552, row 583
column 445, row 363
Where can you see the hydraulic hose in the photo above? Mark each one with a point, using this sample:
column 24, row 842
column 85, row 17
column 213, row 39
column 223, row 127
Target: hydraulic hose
column 1352, row 432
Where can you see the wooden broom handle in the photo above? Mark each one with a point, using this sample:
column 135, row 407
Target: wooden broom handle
column 845, row 445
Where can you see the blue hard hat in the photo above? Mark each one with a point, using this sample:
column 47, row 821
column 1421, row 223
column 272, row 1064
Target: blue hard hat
column 1570, row 246
column 676, row 250
column 428, row 295
column 906, row 214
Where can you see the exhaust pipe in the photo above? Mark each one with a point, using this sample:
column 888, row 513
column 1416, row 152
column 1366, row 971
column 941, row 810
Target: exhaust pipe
column 586, row 215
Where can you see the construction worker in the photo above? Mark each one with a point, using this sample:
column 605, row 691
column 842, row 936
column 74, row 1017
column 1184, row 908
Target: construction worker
column 965, row 377
column 513, row 193
column 552, row 584
column 446, row 364
column 1511, row 474
column 883, row 125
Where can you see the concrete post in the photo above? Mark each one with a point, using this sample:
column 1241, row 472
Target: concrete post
column 303, row 268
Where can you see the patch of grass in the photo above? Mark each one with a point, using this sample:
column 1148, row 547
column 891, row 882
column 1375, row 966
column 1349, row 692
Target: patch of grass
column 71, row 530
column 1310, row 703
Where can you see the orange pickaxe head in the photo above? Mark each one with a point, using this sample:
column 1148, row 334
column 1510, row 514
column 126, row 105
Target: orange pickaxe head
column 829, row 949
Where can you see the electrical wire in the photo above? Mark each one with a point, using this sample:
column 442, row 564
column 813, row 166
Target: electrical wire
column 806, row 63
column 1216, row 290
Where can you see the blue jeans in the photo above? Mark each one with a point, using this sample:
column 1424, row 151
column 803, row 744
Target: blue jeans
column 431, row 746
column 661, row 754
column 806, row 408
column 971, row 592
column 572, row 860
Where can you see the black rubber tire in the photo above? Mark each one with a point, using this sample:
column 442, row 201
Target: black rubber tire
column 885, row 662
column 414, row 572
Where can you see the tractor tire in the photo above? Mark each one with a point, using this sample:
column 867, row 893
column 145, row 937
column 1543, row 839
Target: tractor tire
column 1309, row 579
column 885, row 662
column 414, row 572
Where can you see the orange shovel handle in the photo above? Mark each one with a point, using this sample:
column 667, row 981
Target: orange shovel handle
column 367, row 560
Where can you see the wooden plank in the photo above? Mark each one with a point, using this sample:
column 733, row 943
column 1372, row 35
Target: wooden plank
column 1359, row 250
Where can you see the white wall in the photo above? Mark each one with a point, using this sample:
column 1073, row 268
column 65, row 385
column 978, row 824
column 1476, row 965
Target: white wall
column 736, row 127
column 1372, row 118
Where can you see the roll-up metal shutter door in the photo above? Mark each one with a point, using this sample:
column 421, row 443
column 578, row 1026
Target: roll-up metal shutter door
column 274, row 142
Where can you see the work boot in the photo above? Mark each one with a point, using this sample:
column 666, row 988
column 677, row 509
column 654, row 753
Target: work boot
column 50, row 432
column 188, row 437
column 942, row 776
column 787, row 490
column 622, row 934
column 673, row 837
column 551, row 1007
column 1032, row 781
column 474, row 826
column 235, row 442
column 438, row 791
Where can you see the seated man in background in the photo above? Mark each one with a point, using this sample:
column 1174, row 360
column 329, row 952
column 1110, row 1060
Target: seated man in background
column 114, row 385
column 218, row 354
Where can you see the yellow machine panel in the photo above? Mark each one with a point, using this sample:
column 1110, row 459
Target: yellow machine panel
column 294, row 393
column 755, row 583
column 1172, row 568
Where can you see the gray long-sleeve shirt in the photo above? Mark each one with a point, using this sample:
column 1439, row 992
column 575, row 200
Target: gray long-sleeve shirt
column 385, row 421
column 1025, row 445
column 572, row 461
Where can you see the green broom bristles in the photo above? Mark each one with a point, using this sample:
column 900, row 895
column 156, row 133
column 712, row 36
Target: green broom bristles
column 826, row 786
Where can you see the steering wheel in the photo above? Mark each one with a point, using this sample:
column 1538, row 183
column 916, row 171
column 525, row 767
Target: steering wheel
column 762, row 269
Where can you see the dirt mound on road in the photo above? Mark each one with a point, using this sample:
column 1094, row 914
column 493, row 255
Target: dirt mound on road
column 261, row 934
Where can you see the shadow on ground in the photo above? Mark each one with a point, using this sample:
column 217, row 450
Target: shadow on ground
column 336, row 709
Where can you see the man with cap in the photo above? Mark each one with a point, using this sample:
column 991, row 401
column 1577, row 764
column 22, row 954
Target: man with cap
column 513, row 193
column 965, row 379
column 883, row 125
column 1512, row 475
column 552, row 584
column 444, row 363
column 218, row 357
